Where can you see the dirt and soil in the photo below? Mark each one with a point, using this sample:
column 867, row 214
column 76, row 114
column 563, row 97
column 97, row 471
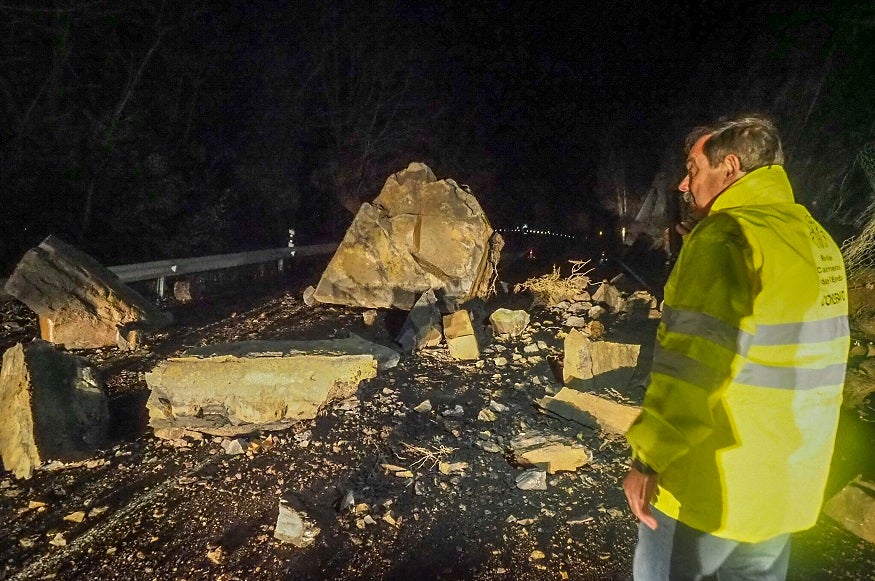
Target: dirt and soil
column 156, row 509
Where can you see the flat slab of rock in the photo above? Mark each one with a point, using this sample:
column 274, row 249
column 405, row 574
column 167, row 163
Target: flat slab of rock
column 51, row 408
column 598, row 364
column 591, row 410
column 419, row 234
column 81, row 304
column 460, row 337
column 238, row 388
column 550, row 452
column 853, row 507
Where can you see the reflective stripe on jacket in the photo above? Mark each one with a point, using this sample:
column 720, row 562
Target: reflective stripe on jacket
column 741, row 411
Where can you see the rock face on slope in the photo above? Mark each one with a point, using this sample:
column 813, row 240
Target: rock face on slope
column 51, row 408
column 420, row 233
column 81, row 304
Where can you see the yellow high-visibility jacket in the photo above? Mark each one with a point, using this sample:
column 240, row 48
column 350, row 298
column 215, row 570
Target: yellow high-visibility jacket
column 740, row 414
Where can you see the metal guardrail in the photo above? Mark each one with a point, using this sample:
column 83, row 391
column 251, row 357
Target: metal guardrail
column 159, row 270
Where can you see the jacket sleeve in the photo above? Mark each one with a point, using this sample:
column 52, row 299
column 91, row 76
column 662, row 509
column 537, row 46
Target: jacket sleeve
column 709, row 298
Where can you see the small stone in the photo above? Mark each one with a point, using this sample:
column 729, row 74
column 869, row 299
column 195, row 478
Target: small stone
column 537, row 555
column 58, row 540
column 500, row 361
column 33, row 504
column 490, row 447
column 497, row 407
column 596, row 312
column 77, row 516
column 215, row 555
column 533, row 479
column 26, row 542
column 348, row 502
column 294, row 527
column 455, row 412
column 97, row 511
column 486, row 415
column 404, row 474
column 111, row 551
column 392, row 467
column 369, row 317
column 234, row 447
column 576, row 322
column 368, row 520
column 447, row 468
column 308, row 297
column 423, row 407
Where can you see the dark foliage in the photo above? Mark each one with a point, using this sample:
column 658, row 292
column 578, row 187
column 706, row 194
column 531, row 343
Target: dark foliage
column 141, row 130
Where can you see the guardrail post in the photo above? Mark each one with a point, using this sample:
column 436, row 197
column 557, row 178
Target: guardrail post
column 159, row 287
column 281, row 262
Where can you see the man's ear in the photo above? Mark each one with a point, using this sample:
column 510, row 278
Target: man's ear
column 732, row 168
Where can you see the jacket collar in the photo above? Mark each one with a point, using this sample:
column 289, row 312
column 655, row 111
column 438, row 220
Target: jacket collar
column 766, row 185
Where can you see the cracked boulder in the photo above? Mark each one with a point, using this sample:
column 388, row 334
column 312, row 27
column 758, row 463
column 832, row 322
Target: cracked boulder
column 419, row 234
column 51, row 408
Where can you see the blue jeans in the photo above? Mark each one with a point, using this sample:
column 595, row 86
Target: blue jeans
column 676, row 551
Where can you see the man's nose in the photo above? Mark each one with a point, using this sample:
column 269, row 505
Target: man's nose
column 684, row 186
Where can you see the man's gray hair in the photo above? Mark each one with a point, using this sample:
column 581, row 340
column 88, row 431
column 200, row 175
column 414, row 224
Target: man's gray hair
column 753, row 138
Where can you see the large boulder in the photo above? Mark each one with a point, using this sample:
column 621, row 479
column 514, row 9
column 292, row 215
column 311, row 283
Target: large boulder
column 239, row 388
column 419, row 234
column 80, row 303
column 51, row 408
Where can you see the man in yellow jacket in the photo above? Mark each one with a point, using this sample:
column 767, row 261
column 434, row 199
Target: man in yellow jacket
column 732, row 448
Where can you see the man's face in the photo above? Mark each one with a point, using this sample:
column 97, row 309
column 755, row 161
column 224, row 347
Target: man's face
column 704, row 182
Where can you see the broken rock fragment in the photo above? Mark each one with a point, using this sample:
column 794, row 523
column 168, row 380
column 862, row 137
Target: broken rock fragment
column 80, row 303
column 591, row 410
column 423, row 325
column 598, row 364
column 237, row 388
column 51, row 407
column 294, row 526
column 532, row 479
column 608, row 295
column 459, row 334
column 550, row 452
column 508, row 322
column 853, row 507
column 418, row 234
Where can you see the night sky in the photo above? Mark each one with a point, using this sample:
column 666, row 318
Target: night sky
column 143, row 130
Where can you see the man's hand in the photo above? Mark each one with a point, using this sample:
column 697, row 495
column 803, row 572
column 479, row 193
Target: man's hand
column 639, row 488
